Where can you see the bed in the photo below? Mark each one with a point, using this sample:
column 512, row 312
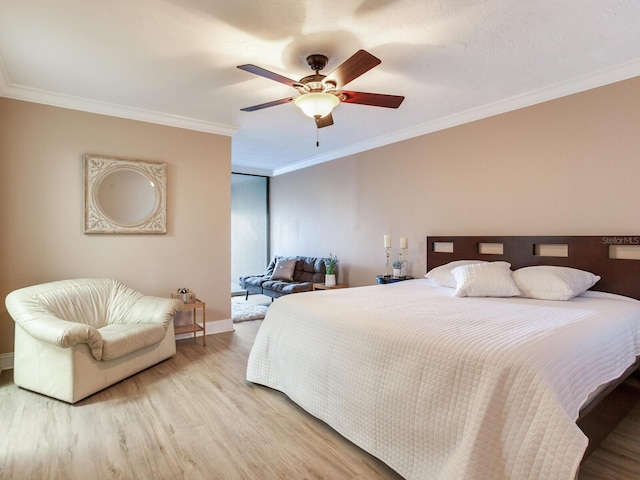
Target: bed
column 446, row 387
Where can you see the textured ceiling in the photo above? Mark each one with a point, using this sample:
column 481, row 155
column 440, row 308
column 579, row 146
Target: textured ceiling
column 174, row 62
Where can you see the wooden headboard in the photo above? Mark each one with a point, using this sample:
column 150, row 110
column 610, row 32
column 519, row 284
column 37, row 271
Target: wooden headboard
column 591, row 253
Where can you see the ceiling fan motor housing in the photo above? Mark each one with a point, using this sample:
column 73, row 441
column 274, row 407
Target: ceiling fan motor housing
column 316, row 83
column 317, row 61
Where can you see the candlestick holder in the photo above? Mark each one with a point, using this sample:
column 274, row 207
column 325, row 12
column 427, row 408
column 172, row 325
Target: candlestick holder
column 388, row 254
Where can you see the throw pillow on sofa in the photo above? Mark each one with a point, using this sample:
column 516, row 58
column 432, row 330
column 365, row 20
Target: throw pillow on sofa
column 284, row 269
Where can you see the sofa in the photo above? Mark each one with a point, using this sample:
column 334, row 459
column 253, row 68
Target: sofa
column 285, row 275
column 76, row 337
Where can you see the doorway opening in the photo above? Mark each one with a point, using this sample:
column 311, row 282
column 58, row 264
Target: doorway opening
column 249, row 227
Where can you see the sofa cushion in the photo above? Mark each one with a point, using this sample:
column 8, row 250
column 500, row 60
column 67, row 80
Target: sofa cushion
column 255, row 280
column 121, row 339
column 285, row 288
column 309, row 269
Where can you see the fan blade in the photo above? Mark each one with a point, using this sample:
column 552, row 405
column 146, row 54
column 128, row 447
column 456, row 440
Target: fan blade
column 267, row 74
column 359, row 63
column 372, row 99
column 268, row 104
column 325, row 121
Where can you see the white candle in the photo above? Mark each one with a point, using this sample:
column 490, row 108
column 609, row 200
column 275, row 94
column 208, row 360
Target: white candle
column 387, row 241
column 403, row 242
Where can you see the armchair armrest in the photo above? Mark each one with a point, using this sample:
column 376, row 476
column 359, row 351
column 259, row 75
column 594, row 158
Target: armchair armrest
column 63, row 333
column 43, row 325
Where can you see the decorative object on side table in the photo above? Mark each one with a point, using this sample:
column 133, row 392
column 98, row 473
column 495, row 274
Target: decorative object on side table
column 330, row 265
column 398, row 265
column 403, row 248
column 184, row 294
column 387, row 251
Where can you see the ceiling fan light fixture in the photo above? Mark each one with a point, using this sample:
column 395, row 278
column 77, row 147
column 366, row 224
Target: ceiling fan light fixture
column 317, row 105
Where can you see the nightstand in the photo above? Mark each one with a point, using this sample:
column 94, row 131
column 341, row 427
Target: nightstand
column 322, row 286
column 391, row 279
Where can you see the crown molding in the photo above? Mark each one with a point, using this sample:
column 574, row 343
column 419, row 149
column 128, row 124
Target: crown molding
column 605, row 77
column 28, row 94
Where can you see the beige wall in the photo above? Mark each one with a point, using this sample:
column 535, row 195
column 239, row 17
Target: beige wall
column 41, row 206
column 568, row 166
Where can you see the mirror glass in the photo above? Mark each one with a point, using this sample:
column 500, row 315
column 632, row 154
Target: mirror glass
column 124, row 196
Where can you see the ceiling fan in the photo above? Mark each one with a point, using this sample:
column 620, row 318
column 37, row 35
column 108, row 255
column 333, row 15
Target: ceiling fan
column 319, row 94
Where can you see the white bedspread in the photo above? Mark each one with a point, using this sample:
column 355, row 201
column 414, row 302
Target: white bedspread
column 440, row 387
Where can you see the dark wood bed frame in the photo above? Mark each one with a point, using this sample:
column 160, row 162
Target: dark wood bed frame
column 592, row 253
column 619, row 276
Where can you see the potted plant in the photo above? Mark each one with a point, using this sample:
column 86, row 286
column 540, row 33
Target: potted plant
column 330, row 265
column 398, row 264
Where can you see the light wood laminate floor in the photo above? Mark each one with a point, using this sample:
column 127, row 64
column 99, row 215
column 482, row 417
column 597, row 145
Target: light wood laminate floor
column 195, row 417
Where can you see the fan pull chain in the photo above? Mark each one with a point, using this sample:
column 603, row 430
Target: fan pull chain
column 317, row 137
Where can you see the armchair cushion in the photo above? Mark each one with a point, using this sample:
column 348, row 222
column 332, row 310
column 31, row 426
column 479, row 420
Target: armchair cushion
column 122, row 339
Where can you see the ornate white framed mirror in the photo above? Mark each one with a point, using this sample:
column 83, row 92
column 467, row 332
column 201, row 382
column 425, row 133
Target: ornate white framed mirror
column 124, row 195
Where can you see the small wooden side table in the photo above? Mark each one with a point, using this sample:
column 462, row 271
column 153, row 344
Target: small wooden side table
column 195, row 327
column 322, row 286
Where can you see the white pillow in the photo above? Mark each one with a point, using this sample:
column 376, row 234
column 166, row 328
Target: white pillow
column 492, row 279
column 442, row 274
column 553, row 283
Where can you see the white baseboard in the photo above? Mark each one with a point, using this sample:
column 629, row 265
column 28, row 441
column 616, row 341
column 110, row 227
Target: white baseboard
column 6, row 361
column 217, row 326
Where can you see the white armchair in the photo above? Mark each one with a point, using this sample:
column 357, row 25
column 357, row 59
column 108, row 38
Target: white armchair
column 76, row 337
